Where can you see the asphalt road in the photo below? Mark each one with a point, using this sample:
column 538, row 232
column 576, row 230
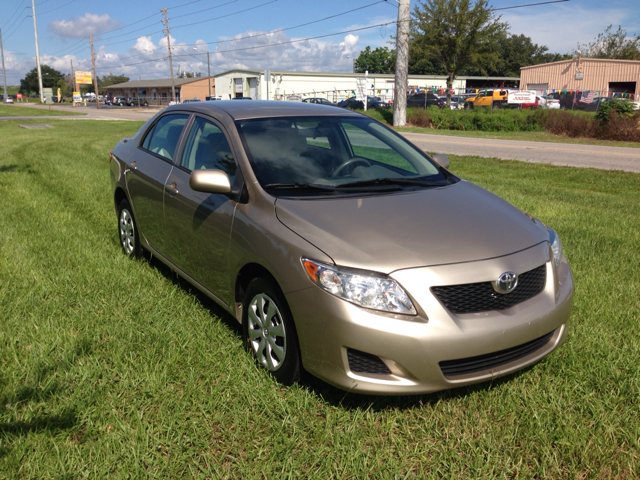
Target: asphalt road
column 565, row 154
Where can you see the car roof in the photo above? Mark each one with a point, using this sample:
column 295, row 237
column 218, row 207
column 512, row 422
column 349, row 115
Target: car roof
column 262, row 108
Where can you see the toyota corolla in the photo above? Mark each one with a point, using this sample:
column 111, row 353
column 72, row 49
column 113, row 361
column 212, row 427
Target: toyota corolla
column 340, row 247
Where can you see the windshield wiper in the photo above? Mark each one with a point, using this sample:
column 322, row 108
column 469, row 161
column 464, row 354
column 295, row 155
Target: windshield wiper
column 396, row 181
column 351, row 187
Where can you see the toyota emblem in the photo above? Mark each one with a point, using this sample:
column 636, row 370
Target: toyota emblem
column 506, row 282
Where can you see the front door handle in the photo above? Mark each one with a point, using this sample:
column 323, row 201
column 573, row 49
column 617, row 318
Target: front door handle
column 172, row 189
column 131, row 166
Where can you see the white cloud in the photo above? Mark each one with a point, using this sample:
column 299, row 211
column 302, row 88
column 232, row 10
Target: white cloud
column 562, row 30
column 77, row 27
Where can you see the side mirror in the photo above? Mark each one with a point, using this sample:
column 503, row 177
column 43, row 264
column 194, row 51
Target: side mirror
column 442, row 159
column 209, row 181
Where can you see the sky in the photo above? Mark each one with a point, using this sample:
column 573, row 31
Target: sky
column 299, row 35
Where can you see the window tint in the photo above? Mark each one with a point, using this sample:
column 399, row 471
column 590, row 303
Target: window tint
column 165, row 135
column 207, row 148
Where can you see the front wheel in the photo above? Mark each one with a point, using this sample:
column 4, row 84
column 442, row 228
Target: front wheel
column 128, row 230
column 495, row 106
column 269, row 332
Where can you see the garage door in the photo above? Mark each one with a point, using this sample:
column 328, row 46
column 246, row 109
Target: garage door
column 539, row 88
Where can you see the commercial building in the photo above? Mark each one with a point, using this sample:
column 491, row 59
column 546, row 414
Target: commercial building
column 605, row 77
column 335, row 86
column 158, row 92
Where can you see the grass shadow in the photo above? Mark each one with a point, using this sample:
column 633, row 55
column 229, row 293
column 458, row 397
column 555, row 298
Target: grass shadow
column 14, row 167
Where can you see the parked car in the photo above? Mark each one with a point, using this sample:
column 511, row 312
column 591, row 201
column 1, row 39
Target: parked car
column 310, row 226
column 191, row 100
column 424, row 100
column 241, row 98
column 120, row 101
column 58, row 100
column 8, row 100
column 353, row 103
column 319, row 101
column 551, row 103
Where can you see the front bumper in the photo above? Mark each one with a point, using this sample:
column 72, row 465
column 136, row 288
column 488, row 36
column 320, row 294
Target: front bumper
column 412, row 347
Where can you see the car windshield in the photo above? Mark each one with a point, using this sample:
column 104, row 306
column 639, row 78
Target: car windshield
column 325, row 155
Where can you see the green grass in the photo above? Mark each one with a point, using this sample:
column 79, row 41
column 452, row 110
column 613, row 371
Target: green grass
column 15, row 111
column 543, row 136
column 111, row 368
column 535, row 135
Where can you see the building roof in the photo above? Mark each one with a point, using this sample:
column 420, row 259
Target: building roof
column 583, row 59
column 354, row 75
column 155, row 83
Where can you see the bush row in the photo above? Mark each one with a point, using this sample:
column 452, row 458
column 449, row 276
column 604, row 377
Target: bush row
column 616, row 126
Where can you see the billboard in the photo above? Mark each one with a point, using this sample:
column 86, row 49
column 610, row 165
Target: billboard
column 83, row 77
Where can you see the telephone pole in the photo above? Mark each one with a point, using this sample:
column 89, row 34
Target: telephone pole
column 4, row 71
column 208, row 72
column 402, row 64
column 166, row 32
column 35, row 29
column 95, row 79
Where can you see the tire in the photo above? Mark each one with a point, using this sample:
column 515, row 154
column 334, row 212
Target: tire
column 471, row 106
column 128, row 230
column 495, row 106
column 270, row 336
column 563, row 107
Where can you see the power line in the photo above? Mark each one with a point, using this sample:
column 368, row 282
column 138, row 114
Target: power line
column 18, row 10
column 58, row 8
column 261, row 34
column 260, row 46
column 528, row 5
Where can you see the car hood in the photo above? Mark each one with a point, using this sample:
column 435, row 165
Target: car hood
column 387, row 232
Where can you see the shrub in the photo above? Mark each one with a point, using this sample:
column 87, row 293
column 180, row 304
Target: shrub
column 621, row 107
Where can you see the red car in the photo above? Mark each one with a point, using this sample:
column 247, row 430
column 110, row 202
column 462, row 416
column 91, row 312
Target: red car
column 530, row 105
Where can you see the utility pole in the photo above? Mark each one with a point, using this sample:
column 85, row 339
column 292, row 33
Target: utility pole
column 166, row 32
column 95, row 79
column 35, row 29
column 402, row 64
column 209, row 73
column 4, row 71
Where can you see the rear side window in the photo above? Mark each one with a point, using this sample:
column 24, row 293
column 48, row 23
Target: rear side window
column 164, row 137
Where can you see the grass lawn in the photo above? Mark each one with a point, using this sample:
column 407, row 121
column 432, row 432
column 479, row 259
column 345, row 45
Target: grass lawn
column 526, row 136
column 112, row 368
column 15, row 111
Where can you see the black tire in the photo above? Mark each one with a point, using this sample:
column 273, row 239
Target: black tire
column 471, row 105
column 267, row 323
column 495, row 106
column 128, row 230
column 563, row 107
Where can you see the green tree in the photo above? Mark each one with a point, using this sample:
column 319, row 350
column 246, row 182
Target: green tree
column 614, row 45
column 380, row 60
column 111, row 79
column 457, row 35
column 50, row 77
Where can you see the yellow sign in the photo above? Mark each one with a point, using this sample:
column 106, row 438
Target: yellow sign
column 83, row 77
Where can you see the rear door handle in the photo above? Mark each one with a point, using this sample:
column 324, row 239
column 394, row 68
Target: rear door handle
column 172, row 189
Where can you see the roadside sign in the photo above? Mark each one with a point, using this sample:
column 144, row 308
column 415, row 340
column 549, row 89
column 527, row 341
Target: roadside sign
column 77, row 98
column 19, row 96
column 83, row 77
column 521, row 96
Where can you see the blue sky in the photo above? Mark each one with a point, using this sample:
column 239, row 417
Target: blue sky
column 128, row 34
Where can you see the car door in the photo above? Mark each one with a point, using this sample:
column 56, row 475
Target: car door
column 148, row 169
column 198, row 225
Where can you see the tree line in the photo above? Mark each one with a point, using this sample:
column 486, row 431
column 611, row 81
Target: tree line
column 52, row 78
column 458, row 37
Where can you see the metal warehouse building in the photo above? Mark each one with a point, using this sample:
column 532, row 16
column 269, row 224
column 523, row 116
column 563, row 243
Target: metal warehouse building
column 333, row 86
column 606, row 77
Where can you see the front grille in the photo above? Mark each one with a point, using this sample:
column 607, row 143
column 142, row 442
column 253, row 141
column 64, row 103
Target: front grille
column 465, row 366
column 481, row 297
column 360, row 362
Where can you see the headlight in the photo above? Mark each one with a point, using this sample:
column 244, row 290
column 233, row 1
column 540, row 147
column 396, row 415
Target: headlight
column 366, row 289
column 556, row 245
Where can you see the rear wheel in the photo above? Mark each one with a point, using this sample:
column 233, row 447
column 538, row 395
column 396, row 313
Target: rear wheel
column 269, row 332
column 128, row 230
column 495, row 106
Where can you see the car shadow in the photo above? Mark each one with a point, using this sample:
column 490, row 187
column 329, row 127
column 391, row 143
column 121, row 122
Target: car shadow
column 349, row 400
column 211, row 306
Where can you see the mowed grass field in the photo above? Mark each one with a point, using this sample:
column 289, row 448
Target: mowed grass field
column 19, row 111
column 113, row 368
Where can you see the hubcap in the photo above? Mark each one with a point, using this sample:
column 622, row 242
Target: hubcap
column 267, row 335
column 127, row 232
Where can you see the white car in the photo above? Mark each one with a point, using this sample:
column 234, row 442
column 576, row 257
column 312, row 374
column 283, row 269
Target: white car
column 8, row 100
column 550, row 102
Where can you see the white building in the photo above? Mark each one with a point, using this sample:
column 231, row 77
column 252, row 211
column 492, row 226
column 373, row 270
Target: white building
column 332, row 86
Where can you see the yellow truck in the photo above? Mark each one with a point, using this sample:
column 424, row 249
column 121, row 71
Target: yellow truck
column 488, row 98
